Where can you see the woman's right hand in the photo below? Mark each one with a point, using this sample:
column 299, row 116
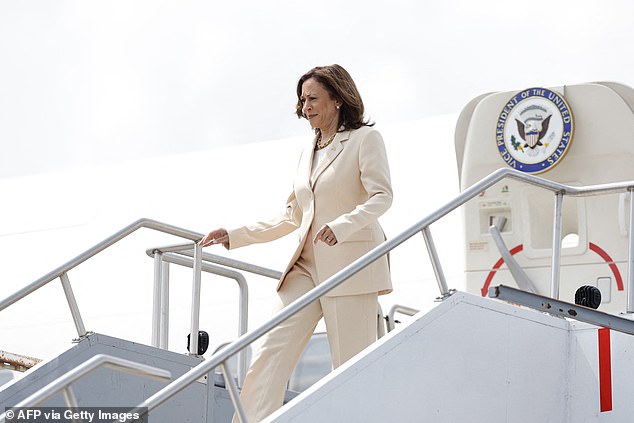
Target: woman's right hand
column 217, row 236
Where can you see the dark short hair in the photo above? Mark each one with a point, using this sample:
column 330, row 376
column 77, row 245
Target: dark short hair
column 339, row 84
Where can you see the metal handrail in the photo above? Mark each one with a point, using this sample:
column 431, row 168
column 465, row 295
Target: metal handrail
column 243, row 300
column 63, row 382
column 398, row 308
column 238, row 265
column 62, row 271
column 376, row 253
column 113, row 239
column 186, row 249
column 183, row 255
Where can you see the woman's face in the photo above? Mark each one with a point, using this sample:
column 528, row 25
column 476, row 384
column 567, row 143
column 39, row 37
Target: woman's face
column 318, row 107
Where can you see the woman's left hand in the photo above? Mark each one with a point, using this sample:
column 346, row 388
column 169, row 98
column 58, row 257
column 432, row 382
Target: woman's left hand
column 325, row 235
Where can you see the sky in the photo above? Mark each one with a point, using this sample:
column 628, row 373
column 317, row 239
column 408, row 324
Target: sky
column 84, row 83
column 113, row 111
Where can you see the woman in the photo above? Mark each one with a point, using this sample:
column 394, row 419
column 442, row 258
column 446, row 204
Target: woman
column 341, row 188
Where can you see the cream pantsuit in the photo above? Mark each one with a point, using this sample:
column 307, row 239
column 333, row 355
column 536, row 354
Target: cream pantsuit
column 350, row 325
column 348, row 190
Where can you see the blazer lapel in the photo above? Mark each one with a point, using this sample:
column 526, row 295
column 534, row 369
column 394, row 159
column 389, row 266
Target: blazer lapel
column 305, row 165
column 332, row 151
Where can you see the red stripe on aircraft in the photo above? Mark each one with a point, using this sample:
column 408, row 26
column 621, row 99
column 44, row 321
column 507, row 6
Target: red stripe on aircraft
column 593, row 247
column 605, row 256
column 605, row 370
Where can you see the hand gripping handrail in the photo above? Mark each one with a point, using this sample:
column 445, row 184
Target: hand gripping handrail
column 61, row 271
column 219, row 358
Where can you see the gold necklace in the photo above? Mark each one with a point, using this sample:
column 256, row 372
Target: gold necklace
column 321, row 144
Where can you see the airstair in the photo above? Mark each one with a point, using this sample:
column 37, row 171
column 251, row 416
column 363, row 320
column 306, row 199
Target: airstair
column 467, row 354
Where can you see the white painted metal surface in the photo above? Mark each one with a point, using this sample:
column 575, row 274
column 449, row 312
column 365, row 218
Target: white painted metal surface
column 474, row 359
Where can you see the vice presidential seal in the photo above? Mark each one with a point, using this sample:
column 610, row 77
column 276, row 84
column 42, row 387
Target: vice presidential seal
column 534, row 130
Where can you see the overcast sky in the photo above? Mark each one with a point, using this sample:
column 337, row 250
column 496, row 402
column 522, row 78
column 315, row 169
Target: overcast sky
column 87, row 82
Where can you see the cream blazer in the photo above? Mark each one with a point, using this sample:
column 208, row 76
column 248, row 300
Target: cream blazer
column 348, row 191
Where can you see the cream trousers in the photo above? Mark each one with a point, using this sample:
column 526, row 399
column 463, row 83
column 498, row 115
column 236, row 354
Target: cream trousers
column 351, row 325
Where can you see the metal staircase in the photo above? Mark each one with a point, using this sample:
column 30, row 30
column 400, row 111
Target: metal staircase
column 191, row 392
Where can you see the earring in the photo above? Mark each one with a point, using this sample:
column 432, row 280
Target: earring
column 338, row 106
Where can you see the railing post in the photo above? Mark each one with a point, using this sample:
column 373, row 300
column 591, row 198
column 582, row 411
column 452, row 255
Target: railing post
column 556, row 260
column 156, row 299
column 233, row 393
column 193, row 337
column 630, row 259
column 165, row 306
column 435, row 262
column 243, row 323
column 69, row 396
column 72, row 303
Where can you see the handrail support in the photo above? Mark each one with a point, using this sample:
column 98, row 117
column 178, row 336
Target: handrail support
column 231, row 386
column 629, row 307
column 72, row 304
column 165, row 306
column 69, row 396
column 556, row 259
column 435, row 262
column 195, row 312
column 156, row 300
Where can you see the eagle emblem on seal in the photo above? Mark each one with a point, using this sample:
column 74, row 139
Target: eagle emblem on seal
column 533, row 129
